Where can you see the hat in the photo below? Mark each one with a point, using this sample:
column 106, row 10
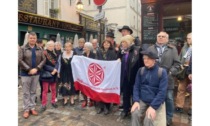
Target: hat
column 110, row 34
column 150, row 54
column 39, row 40
column 127, row 28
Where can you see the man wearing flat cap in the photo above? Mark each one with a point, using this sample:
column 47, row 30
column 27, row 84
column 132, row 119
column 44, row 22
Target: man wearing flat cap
column 125, row 30
column 149, row 92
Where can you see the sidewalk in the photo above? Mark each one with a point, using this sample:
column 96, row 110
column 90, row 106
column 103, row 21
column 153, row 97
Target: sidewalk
column 77, row 116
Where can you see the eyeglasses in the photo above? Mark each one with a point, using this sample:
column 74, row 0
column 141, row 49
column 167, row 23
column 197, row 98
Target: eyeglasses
column 161, row 36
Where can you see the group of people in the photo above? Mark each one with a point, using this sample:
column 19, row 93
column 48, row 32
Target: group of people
column 147, row 76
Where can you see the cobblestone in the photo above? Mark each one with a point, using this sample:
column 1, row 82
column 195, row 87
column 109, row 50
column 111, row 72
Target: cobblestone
column 78, row 116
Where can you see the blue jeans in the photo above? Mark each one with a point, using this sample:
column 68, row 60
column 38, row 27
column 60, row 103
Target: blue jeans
column 169, row 105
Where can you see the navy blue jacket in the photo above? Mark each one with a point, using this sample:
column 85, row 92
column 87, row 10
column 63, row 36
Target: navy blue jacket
column 149, row 88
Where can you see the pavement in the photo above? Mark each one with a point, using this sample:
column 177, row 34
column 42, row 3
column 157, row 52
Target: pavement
column 78, row 116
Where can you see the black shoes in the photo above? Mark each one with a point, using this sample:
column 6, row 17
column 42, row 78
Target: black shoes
column 42, row 109
column 100, row 110
column 124, row 114
column 180, row 110
column 106, row 111
column 54, row 105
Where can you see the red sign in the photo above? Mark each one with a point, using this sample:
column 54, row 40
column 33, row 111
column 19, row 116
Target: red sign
column 99, row 2
column 95, row 74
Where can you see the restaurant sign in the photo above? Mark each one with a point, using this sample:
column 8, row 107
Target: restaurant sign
column 32, row 19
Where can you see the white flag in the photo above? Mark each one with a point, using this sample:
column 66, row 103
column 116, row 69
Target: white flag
column 97, row 79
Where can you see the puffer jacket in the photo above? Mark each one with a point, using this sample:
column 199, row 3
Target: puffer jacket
column 25, row 58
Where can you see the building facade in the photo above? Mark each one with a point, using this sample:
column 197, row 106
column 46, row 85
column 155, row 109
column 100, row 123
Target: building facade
column 48, row 18
column 119, row 13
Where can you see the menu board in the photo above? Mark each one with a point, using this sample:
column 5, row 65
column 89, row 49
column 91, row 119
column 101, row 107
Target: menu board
column 150, row 22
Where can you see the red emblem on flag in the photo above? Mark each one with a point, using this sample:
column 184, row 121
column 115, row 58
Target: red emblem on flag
column 95, row 74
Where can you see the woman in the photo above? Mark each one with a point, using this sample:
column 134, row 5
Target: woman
column 185, row 55
column 131, row 61
column 65, row 74
column 106, row 53
column 88, row 47
column 50, row 66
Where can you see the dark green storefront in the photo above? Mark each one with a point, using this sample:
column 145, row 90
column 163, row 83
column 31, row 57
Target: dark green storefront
column 46, row 28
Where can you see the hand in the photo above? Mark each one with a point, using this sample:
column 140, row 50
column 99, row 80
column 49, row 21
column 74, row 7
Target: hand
column 118, row 60
column 116, row 49
column 135, row 105
column 53, row 72
column 151, row 113
column 190, row 76
column 33, row 71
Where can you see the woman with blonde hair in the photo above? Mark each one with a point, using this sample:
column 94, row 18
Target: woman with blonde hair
column 131, row 61
column 65, row 74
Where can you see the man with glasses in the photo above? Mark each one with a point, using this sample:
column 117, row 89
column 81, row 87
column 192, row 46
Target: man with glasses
column 168, row 59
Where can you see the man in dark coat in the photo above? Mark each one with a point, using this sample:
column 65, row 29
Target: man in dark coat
column 168, row 59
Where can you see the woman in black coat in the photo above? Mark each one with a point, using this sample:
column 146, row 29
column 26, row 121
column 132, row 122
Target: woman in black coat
column 65, row 74
column 50, row 66
column 106, row 53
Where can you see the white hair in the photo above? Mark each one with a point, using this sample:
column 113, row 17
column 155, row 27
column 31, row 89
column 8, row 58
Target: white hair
column 58, row 43
column 49, row 43
column 89, row 45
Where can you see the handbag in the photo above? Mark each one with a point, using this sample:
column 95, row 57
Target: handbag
column 46, row 74
column 182, row 73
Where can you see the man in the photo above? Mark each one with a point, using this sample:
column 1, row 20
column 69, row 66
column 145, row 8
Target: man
column 168, row 59
column 79, row 49
column 95, row 47
column 149, row 91
column 31, row 60
column 125, row 30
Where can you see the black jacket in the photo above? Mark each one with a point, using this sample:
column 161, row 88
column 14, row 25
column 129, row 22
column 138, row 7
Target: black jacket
column 110, row 55
column 92, row 55
column 134, row 62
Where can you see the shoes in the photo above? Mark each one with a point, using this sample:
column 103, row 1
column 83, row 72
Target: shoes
column 180, row 110
column 34, row 112
column 190, row 118
column 42, row 109
column 72, row 104
column 26, row 114
column 121, row 107
column 169, row 122
column 106, row 111
column 84, row 104
column 124, row 114
column 100, row 110
column 65, row 104
column 54, row 105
